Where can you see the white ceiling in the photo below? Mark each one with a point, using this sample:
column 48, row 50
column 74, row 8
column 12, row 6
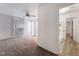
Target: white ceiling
column 73, row 8
column 20, row 9
column 70, row 9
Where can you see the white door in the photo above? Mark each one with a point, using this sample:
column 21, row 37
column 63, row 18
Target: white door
column 62, row 33
column 62, row 29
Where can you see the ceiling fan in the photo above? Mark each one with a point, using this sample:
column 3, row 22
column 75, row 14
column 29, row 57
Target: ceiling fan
column 28, row 15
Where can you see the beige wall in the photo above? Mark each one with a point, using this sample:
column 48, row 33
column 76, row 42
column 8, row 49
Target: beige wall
column 5, row 27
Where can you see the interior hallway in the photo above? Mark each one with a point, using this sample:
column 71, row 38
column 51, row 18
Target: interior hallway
column 22, row 47
column 68, row 47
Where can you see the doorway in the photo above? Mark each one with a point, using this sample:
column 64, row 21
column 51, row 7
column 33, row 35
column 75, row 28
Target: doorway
column 69, row 28
column 70, row 17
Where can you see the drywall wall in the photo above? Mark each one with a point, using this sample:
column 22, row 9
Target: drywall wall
column 47, row 28
column 48, row 20
column 5, row 26
column 76, row 29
